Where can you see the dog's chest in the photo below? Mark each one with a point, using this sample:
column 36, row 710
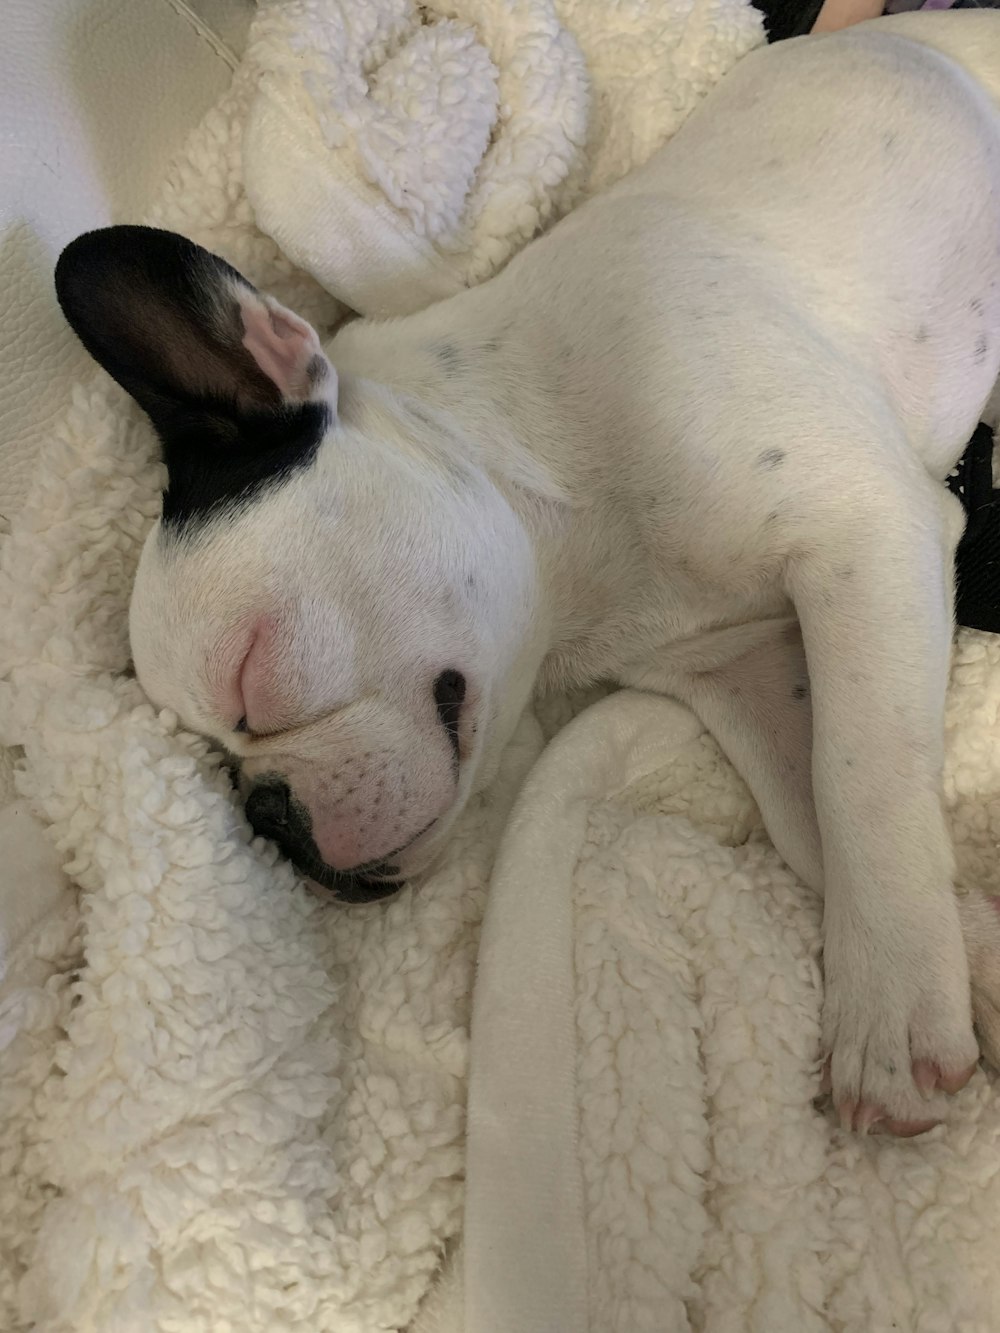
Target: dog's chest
column 644, row 595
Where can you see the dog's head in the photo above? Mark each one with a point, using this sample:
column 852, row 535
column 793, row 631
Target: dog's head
column 347, row 607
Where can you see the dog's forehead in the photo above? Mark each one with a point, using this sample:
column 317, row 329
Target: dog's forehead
column 359, row 522
column 289, row 546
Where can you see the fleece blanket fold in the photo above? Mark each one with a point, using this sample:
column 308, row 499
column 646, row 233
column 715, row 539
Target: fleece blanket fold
column 224, row 1104
column 644, row 1147
column 399, row 151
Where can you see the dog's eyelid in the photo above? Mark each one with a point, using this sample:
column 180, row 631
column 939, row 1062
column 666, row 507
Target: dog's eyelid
column 289, row 727
column 242, row 728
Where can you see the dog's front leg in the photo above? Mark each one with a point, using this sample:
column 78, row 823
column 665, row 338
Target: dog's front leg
column 872, row 591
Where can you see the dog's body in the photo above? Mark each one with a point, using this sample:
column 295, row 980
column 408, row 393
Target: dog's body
column 701, row 424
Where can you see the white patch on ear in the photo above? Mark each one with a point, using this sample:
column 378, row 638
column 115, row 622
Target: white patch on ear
column 287, row 349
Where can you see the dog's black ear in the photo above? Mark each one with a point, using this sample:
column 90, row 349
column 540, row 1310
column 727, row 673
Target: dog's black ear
column 237, row 387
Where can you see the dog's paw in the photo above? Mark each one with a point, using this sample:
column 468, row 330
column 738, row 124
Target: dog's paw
column 897, row 1021
column 980, row 917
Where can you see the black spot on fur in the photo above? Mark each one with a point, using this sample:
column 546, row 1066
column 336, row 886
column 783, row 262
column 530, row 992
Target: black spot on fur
column 215, row 464
column 316, row 371
column 800, row 692
column 771, row 459
column 976, row 306
column 981, row 348
column 449, row 357
column 921, row 334
column 420, row 413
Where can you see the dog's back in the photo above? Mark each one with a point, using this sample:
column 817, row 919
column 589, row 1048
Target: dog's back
column 775, row 159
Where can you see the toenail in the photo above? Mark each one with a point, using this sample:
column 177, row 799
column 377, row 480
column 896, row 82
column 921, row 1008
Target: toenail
column 907, row 1129
column 925, row 1076
column 956, row 1082
column 868, row 1117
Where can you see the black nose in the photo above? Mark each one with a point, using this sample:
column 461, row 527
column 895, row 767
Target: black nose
column 269, row 810
column 449, row 695
column 274, row 813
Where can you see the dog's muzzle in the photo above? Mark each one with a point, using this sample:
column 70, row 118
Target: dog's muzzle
column 274, row 813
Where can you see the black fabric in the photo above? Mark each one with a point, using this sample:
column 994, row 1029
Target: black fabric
column 789, row 18
column 977, row 561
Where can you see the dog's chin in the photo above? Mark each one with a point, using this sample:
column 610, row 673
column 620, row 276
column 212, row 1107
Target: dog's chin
column 370, row 883
column 377, row 879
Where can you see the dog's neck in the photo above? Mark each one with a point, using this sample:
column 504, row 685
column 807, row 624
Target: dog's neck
column 511, row 409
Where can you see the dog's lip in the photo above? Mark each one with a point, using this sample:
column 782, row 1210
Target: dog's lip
column 347, row 887
column 365, row 883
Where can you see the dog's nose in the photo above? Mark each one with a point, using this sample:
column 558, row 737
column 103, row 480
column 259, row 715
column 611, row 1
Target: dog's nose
column 269, row 810
column 275, row 815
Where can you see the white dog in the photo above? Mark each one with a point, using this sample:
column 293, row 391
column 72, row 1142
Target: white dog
column 692, row 441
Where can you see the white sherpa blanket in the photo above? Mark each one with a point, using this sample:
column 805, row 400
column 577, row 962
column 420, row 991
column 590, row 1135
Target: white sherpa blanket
column 225, row 1105
column 399, row 151
column 643, row 1148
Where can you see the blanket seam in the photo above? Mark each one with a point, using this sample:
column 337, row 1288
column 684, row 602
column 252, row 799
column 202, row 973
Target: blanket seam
column 207, row 34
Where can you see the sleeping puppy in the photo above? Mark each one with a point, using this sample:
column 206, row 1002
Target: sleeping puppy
column 691, row 441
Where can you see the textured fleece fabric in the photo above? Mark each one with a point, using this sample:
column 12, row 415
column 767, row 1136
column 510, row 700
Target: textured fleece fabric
column 227, row 1107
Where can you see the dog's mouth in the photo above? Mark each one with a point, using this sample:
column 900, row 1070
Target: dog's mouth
column 367, row 884
column 274, row 813
column 362, row 884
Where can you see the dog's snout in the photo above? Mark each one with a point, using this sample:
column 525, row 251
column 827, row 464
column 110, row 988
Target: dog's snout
column 449, row 695
column 275, row 814
column 268, row 808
